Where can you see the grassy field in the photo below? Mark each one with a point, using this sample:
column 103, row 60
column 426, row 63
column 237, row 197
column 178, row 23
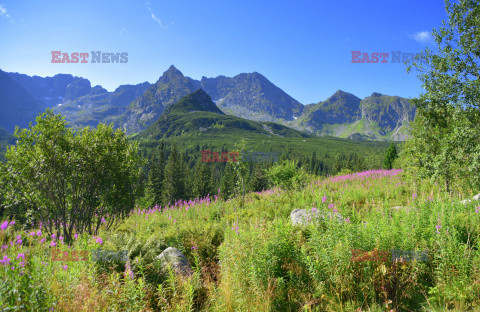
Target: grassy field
column 251, row 258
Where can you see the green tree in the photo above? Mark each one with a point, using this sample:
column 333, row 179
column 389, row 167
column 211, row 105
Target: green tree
column 202, row 179
column 287, row 175
column 445, row 135
column 390, row 156
column 228, row 181
column 156, row 176
column 72, row 178
column 259, row 180
column 174, row 181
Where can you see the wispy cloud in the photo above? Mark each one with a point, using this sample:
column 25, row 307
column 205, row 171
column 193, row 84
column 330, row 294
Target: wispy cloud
column 422, row 36
column 122, row 31
column 156, row 19
column 3, row 10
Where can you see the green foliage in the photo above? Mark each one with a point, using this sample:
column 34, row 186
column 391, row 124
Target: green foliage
column 156, row 176
column 174, row 181
column 72, row 178
column 259, row 181
column 446, row 136
column 390, row 156
column 287, row 175
column 202, row 180
column 228, row 182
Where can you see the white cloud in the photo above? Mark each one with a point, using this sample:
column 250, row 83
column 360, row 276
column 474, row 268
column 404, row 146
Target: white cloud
column 156, row 19
column 422, row 36
column 3, row 10
column 122, row 31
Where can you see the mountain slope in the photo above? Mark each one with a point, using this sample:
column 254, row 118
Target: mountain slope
column 6, row 139
column 197, row 115
column 341, row 108
column 17, row 106
column 377, row 117
column 50, row 91
column 101, row 106
column 251, row 96
column 168, row 89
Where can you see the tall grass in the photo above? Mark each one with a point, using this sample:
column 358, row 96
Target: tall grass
column 254, row 259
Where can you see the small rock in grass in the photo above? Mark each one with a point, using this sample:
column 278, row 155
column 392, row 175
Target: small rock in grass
column 176, row 260
column 474, row 198
column 303, row 217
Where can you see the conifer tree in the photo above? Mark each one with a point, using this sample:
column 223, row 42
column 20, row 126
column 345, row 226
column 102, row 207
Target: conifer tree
column 174, row 181
column 228, row 182
column 202, row 179
column 390, row 156
column 156, row 176
column 259, row 179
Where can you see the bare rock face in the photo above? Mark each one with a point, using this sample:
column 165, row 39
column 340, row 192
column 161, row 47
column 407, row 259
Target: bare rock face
column 176, row 260
column 304, row 217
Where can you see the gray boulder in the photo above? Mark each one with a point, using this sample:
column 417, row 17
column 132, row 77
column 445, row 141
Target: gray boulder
column 304, row 217
column 474, row 198
column 176, row 260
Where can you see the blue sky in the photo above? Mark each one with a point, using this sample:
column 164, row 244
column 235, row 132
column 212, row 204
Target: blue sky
column 304, row 47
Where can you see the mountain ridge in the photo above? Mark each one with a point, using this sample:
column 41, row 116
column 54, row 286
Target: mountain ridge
column 246, row 95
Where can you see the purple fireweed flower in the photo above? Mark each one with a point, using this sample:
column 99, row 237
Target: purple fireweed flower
column 12, row 223
column 128, row 270
column 103, row 220
column 414, row 195
column 22, row 264
column 19, row 239
column 42, row 240
column 477, row 210
column 21, row 255
column 4, row 225
column 39, row 233
column 99, row 240
column 314, row 209
column 438, row 226
column 53, row 244
column 194, row 247
column 5, row 260
column 235, row 228
column 347, row 220
column 54, row 236
column 13, row 268
column 32, row 233
column 21, row 273
column 65, row 267
column 4, row 247
column 331, row 206
column 324, row 198
column 76, row 236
